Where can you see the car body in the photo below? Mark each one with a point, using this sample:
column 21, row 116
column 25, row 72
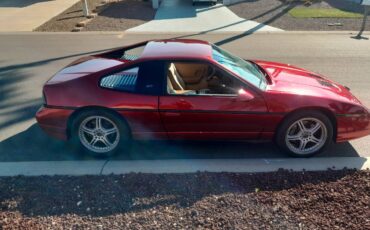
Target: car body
column 150, row 112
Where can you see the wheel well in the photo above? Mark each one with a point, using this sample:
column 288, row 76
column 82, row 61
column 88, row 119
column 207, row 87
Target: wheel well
column 91, row 108
column 324, row 111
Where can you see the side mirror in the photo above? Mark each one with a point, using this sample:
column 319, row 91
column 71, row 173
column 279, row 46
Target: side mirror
column 244, row 95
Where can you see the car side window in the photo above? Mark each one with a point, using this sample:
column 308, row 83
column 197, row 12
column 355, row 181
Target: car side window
column 151, row 77
column 124, row 80
column 200, row 78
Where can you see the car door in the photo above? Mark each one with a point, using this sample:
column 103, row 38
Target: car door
column 133, row 92
column 227, row 116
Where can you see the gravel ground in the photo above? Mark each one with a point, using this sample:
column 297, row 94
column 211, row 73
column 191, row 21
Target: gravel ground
column 118, row 16
column 281, row 200
column 275, row 13
column 67, row 20
column 122, row 15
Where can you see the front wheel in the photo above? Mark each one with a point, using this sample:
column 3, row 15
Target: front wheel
column 100, row 133
column 305, row 134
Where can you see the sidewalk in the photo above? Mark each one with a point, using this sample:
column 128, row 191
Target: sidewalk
column 26, row 15
column 99, row 167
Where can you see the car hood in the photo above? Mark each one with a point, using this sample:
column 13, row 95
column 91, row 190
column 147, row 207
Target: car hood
column 82, row 67
column 293, row 80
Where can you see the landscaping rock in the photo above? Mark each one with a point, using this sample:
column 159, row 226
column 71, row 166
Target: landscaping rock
column 285, row 200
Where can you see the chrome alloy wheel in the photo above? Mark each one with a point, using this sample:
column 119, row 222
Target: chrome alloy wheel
column 99, row 134
column 306, row 136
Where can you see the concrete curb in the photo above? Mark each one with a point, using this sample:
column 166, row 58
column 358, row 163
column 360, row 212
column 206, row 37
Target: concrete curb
column 257, row 32
column 39, row 168
column 183, row 33
column 78, row 168
column 235, row 165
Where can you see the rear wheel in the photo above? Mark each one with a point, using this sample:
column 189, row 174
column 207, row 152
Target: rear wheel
column 100, row 133
column 305, row 134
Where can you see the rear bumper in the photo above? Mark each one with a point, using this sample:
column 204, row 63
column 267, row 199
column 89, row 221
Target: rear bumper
column 54, row 121
column 352, row 126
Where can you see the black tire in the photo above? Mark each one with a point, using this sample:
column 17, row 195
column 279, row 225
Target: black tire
column 281, row 133
column 124, row 140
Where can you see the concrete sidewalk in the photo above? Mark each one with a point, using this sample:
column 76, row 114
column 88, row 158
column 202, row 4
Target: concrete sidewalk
column 78, row 168
column 180, row 16
column 26, row 15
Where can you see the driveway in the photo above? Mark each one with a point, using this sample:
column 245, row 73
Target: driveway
column 26, row 15
column 176, row 16
column 32, row 58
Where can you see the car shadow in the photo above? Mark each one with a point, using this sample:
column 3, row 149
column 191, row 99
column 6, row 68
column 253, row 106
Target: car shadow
column 34, row 145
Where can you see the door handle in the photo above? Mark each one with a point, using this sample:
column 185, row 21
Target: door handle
column 172, row 114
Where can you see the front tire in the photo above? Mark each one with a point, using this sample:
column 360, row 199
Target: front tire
column 100, row 133
column 305, row 134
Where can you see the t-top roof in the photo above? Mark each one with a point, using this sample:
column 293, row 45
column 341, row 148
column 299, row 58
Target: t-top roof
column 177, row 48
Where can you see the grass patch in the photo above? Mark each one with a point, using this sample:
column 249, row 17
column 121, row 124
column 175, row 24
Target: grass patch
column 322, row 13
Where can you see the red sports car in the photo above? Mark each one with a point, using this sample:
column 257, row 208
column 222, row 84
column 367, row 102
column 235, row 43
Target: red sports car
column 192, row 89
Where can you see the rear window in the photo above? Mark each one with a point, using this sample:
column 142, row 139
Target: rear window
column 123, row 81
column 133, row 54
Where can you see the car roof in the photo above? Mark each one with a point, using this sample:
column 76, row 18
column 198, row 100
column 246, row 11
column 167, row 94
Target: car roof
column 177, row 48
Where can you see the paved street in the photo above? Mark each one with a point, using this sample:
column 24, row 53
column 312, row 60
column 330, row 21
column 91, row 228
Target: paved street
column 30, row 59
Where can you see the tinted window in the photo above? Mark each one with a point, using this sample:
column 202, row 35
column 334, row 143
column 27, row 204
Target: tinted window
column 133, row 54
column 124, row 80
column 151, row 78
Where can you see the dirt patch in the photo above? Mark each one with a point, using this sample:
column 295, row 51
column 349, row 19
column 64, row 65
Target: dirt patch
column 120, row 16
column 276, row 13
column 117, row 16
column 67, row 20
column 281, row 200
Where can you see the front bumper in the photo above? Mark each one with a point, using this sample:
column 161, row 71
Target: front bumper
column 351, row 127
column 54, row 121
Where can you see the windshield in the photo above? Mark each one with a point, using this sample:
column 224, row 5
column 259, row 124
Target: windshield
column 245, row 69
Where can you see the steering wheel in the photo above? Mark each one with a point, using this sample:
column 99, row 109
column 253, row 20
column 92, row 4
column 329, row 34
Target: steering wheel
column 210, row 73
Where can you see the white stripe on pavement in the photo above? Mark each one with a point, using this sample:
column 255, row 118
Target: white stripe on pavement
column 77, row 168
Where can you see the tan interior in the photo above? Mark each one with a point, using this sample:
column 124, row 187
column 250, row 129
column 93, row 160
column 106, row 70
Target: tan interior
column 188, row 76
column 175, row 83
column 192, row 73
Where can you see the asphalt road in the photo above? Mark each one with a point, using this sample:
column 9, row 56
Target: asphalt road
column 27, row 60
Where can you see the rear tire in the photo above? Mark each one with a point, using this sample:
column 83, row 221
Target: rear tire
column 100, row 133
column 305, row 134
